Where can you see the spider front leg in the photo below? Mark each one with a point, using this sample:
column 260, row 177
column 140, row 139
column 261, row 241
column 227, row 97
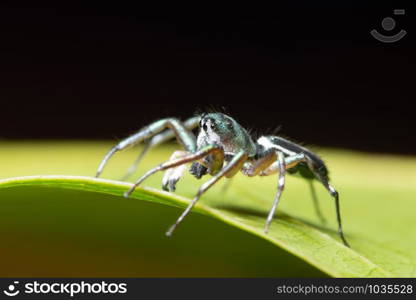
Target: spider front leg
column 228, row 171
column 217, row 161
column 158, row 139
column 186, row 138
column 216, row 152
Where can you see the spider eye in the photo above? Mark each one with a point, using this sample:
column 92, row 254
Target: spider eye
column 205, row 127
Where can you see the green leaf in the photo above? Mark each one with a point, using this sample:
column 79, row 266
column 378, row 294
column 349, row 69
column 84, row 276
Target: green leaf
column 81, row 226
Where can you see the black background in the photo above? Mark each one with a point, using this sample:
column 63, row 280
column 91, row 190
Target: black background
column 92, row 71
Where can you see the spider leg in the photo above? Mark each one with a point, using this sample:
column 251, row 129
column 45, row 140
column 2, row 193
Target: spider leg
column 268, row 165
column 291, row 161
column 323, row 179
column 264, row 163
column 281, row 165
column 158, row 139
column 316, row 203
column 274, row 168
column 173, row 175
column 133, row 168
column 335, row 195
column 186, row 138
column 214, row 150
column 281, row 186
column 228, row 171
column 257, row 167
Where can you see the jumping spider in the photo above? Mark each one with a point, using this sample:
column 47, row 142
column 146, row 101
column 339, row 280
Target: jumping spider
column 221, row 149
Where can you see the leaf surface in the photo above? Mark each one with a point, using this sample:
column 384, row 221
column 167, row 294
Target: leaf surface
column 377, row 200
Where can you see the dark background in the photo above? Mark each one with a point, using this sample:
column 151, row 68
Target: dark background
column 93, row 71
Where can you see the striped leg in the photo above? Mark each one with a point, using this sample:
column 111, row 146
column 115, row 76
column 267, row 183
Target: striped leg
column 186, row 138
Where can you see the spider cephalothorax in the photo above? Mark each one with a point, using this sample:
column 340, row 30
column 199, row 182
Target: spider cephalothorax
column 222, row 148
column 223, row 131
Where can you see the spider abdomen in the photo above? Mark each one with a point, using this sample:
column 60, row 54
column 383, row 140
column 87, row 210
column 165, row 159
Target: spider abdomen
column 290, row 148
